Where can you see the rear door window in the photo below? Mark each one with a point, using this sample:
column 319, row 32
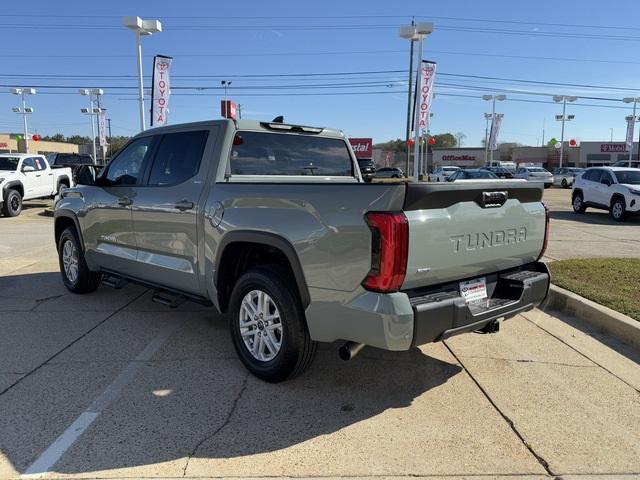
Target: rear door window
column 178, row 157
column 258, row 153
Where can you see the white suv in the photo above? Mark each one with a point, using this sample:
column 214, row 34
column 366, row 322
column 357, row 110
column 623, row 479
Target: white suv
column 616, row 189
column 441, row 174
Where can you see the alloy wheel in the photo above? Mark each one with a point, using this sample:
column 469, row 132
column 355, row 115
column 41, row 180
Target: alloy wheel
column 260, row 325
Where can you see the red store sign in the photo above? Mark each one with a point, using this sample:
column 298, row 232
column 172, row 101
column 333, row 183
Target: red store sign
column 613, row 147
column 362, row 147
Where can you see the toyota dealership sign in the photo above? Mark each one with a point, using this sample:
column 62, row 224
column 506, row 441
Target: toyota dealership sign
column 362, row 147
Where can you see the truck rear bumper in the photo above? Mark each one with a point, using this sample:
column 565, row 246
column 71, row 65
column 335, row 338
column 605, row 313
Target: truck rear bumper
column 442, row 312
column 402, row 320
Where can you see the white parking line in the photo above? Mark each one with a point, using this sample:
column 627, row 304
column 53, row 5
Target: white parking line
column 59, row 447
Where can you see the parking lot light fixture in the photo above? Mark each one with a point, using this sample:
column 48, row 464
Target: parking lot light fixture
column 24, row 111
column 91, row 111
column 141, row 27
column 492, row 116
column 563, row 118
column 416, row 32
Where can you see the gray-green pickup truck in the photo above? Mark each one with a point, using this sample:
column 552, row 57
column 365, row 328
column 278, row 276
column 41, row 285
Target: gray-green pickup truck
column 272, row 224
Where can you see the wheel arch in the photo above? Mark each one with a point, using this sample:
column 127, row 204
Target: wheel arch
column 63, row 180
column 240, row 250
column 615, row 196
column 64, row 219
column 12, row 185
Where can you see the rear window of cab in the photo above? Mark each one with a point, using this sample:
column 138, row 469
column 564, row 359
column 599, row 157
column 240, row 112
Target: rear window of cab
column 260, row 153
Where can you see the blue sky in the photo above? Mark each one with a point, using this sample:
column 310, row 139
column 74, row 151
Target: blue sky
column 229, row 40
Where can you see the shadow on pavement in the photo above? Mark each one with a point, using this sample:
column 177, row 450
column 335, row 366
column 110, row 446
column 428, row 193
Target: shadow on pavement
column 193, row 399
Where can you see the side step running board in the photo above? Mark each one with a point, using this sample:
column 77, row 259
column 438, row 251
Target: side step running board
column 113, row 281
column 168, row 299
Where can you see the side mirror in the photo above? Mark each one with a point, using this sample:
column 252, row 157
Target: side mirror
column 606, row 181
column 85, row 175
column 27, row 169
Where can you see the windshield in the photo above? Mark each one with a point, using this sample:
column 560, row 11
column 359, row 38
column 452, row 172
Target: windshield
column 450, row 169
column 630, row 177
column 537, row 169
column 9, row 163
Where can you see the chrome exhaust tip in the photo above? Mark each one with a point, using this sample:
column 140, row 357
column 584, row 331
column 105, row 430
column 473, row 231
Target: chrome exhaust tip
column 349, row 350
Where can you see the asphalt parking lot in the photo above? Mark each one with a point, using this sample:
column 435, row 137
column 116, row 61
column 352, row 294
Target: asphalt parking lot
column 113, row 385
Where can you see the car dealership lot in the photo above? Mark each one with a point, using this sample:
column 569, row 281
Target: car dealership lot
column 113, row 385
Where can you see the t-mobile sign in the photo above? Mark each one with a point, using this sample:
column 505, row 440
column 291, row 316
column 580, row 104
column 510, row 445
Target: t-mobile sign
column 362, row 147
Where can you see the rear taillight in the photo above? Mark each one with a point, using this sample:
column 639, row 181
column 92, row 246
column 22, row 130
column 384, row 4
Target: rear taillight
column 547, row 224
column 389, row 247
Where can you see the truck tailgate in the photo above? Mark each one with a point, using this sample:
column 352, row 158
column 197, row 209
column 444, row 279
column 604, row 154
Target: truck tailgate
column 461, row 231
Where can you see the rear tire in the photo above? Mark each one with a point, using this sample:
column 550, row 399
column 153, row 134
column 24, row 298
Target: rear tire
column 618, row 209
column 564, row 183
column 268, row 326
column 12, row 205
column 578, row 203
column 76, row 276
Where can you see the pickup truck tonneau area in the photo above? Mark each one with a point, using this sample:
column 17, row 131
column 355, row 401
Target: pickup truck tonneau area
column 273, row 224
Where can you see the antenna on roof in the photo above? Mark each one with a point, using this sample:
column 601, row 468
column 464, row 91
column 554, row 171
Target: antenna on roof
column 278, row 119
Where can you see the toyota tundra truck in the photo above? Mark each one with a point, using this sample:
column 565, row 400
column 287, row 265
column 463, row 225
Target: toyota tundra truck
column 28, row 177
column 272, row 224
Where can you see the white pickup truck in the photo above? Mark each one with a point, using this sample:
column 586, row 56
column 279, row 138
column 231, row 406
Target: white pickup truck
column 27, row 177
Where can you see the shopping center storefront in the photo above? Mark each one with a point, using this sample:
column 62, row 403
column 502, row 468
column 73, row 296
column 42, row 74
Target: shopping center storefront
column 595, row 154
column 461, row 157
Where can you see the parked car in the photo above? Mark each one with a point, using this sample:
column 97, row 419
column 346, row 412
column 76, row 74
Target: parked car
column 367, row 169
column 471, row 174
column 440, row 174
column 501, row 172
column 565, row 176
column 616, row 189
column 28, row 177
column 57, row 160
column 272, row 224
column 535, row 174
column 627, row 164
column 389, row 172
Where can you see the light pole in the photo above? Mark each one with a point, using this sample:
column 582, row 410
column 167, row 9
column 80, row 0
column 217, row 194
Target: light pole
column 493, row 99
column 564, row 118
column 225, row 84
column 141, row 27
column 409, row 34
column 635, row 101
column 91, row 111
column 417, row 32
column 24, row 111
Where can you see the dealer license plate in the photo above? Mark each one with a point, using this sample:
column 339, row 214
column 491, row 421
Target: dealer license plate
column 474, row 290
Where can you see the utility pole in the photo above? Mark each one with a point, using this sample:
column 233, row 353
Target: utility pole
column 564, row 99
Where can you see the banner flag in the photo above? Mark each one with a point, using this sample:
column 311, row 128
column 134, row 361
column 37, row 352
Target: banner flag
column 425, row 93
column 496, row 123
column 630, row 124
column 102, row 133
column 161, row 89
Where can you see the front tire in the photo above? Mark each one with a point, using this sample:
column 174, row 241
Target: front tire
column 578, row 203
column 268, row 327
column 12, row 205
column 564, row 183
column 618, row 210
column 76, row 276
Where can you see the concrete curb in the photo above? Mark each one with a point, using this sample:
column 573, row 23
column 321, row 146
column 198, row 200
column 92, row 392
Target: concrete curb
column 620, row 326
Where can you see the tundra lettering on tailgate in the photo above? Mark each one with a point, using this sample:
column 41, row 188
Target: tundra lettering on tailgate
column 481, row 240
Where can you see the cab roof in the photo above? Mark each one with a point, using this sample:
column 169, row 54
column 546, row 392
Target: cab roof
column 257, row 126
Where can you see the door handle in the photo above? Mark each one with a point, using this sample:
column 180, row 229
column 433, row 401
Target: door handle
column 184, row 205
column 38, row 175
column 124, row 201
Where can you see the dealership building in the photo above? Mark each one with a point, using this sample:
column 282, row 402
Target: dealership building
column 9, row 143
